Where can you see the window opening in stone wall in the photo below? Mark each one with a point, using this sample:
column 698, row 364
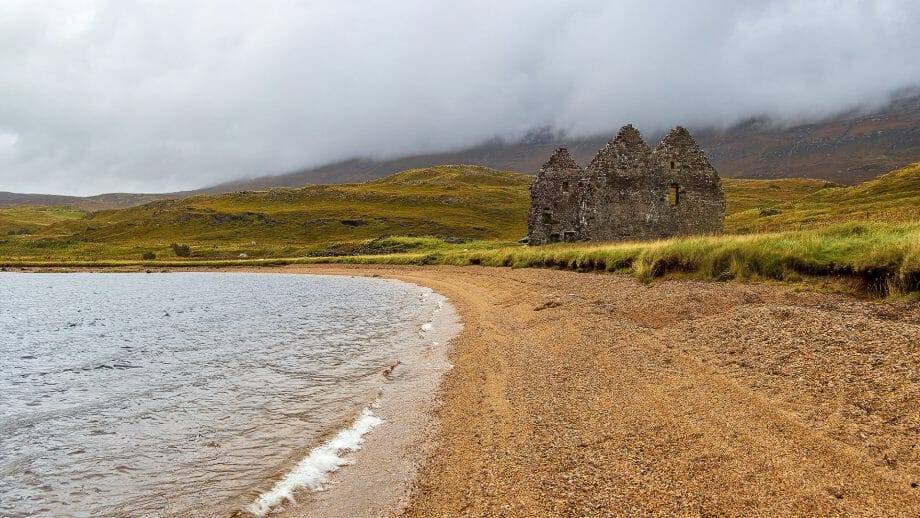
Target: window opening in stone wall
column 673, row 165
column 673, row 194
column 565, row 186
column 547, row 216
column 554, row 238
column 568, row 236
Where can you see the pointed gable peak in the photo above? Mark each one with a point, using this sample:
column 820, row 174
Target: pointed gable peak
column 625, row 150
column 629, row 136
column 561, row 160
column 628, row 141
column 679, row 140
column 679, row 147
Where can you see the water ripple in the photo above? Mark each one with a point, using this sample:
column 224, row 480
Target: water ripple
column 129, row 393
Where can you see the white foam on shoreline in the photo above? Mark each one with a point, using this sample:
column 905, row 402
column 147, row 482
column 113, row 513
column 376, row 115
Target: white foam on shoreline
column 376, row 485
column 313, row 472
column 428, row 326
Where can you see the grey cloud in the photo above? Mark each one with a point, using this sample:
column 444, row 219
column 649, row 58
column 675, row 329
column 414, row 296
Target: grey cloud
column 157, row 96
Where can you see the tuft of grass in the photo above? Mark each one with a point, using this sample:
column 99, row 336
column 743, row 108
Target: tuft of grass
column 182, row 250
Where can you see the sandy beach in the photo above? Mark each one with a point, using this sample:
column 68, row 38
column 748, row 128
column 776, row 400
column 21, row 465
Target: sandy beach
column 590, row 394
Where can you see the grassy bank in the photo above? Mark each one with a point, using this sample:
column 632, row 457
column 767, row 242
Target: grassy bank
column 884, row 258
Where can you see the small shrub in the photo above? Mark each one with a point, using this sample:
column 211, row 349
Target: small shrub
column 181, row 250
column 149, row 256
column 792, row 276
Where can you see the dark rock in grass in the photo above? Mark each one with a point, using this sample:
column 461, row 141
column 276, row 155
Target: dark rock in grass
column 725, row 275
column 353, row 222
column 555, row 303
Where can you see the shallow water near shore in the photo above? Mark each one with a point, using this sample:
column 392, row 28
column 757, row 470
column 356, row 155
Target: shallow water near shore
column 164, row 394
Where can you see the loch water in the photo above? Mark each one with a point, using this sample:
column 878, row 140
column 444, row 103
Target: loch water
column 184, row 393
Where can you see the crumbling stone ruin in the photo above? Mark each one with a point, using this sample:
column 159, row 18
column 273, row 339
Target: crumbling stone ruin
column 628, row 192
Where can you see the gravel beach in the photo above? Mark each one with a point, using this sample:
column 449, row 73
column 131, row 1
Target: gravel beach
column 590, row 394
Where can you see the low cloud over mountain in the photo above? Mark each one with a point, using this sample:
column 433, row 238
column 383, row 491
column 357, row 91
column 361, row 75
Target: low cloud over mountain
column 137, row 96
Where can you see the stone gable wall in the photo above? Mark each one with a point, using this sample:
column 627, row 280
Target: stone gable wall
column 556, row 217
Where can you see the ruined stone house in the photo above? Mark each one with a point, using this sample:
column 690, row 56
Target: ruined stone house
column 628, row 192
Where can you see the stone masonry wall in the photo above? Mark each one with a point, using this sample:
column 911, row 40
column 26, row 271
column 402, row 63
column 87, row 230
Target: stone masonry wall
column 628, row 192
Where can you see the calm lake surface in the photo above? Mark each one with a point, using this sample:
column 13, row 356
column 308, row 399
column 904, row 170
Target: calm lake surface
column 184, row 393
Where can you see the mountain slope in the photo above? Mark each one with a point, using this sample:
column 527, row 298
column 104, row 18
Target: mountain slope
column 99, row 202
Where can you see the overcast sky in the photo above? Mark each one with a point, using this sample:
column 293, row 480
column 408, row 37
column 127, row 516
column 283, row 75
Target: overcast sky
column 153, row 96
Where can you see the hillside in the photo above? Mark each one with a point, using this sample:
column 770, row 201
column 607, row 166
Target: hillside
column 892, row 197
column 31, row 220
column 457, row 202
column 742, row 195
column 470, row 206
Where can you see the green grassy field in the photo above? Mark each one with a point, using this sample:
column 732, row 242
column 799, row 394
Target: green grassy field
column 31, row 220
column 743, row 195
column 775, row 229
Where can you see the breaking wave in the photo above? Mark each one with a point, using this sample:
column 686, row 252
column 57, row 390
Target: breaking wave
column 313, row 472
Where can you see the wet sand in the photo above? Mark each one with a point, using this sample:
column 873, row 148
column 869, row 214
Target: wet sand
column 589, row 394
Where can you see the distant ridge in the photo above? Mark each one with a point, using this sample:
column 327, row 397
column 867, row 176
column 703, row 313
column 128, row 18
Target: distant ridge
column 846, row 149
column 89, row 203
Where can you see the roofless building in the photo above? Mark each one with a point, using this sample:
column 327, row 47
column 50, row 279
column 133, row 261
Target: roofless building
column 628, row 192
